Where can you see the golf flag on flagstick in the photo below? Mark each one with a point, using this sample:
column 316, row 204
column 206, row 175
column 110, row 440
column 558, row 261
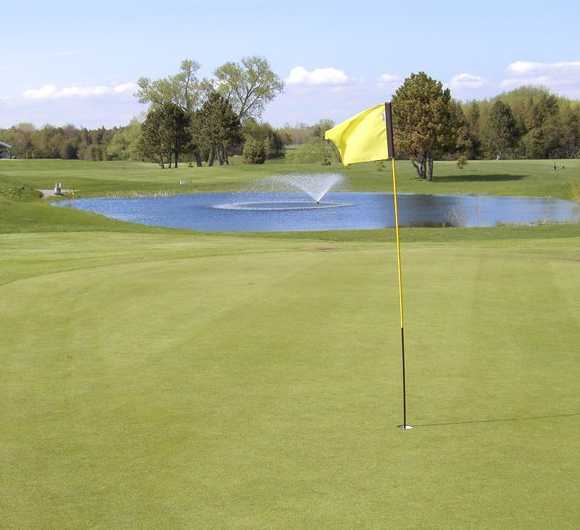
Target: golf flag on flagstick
column 366, row 137
column 362, row 138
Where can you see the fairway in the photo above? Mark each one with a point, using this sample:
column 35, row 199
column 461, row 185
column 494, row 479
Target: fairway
column 504, row 177
column 167, row 380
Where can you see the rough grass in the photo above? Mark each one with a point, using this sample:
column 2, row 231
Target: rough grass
column 12, row 190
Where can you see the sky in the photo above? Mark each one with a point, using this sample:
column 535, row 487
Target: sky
column 77, row 62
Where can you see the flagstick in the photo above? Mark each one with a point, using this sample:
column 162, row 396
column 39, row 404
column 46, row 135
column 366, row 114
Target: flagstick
column 391, row 154
column 405, row 426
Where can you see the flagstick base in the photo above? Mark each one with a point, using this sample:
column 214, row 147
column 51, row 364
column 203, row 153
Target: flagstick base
column 405, row 427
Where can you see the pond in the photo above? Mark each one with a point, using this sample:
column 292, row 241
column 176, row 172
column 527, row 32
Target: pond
column 286, row 212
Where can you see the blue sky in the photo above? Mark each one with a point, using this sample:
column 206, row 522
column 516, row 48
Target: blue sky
column 77, row 62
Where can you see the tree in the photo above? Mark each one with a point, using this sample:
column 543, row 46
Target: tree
column 21, row 138
column 254, row 152
column 69, row 151
column 124, row 144
column 198, row 146
column 248, row 86
column 321, row 127
column 176, row 122
column 424, row 122
column 154, row 143
column 570, row 138
column 218, row 127
column 464, row 141
column 472, row 133
column 164, row 134
column 183, row 89
column 541, row 138
column 264, row 132
column 501, row 131
column 302, row 133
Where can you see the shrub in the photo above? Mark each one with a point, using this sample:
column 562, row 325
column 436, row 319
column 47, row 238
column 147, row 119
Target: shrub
column 254, row 152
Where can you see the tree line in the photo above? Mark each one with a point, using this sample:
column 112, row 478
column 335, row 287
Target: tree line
column 206, row 121
column 68, row 142
column 128, row 143
column 529, row 122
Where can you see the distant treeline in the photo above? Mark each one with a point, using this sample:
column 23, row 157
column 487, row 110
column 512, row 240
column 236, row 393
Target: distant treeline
column 117, row 143
column 66, row 142
column 529, row 122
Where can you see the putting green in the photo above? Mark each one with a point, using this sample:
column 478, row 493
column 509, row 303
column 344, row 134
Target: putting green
column 180, row 381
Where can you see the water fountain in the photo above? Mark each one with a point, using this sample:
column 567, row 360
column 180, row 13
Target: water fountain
column 315, row 186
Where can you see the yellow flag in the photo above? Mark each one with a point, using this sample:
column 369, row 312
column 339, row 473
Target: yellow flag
column 362, row 138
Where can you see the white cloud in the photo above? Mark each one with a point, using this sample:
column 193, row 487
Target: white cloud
column 534, row 68
column 513, row 82
column 562, row 76
column 125, row 87
column 53, row 92
column 82, row 92
column 466, row 80
column 389, row 79
column 47, row 91
column 319, row 76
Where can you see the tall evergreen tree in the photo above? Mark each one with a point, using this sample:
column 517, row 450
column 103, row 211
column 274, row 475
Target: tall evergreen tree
column 425, row 122
column 218, row 128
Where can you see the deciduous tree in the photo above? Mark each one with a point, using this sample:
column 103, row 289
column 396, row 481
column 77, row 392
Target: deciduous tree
column 124, row 144
column 183, row 89
column 501, row 131
column 248, row 85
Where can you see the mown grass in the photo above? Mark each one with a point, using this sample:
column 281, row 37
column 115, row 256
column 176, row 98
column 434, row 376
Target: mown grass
column 156, row 378
column 505, row 177
column 171, row 381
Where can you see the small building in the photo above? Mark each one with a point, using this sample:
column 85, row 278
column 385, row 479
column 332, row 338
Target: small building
column 5, row 150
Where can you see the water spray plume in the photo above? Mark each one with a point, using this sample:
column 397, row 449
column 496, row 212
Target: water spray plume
column 315, row 186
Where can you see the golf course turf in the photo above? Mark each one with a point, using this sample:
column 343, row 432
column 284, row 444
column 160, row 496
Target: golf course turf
column 158, row 378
